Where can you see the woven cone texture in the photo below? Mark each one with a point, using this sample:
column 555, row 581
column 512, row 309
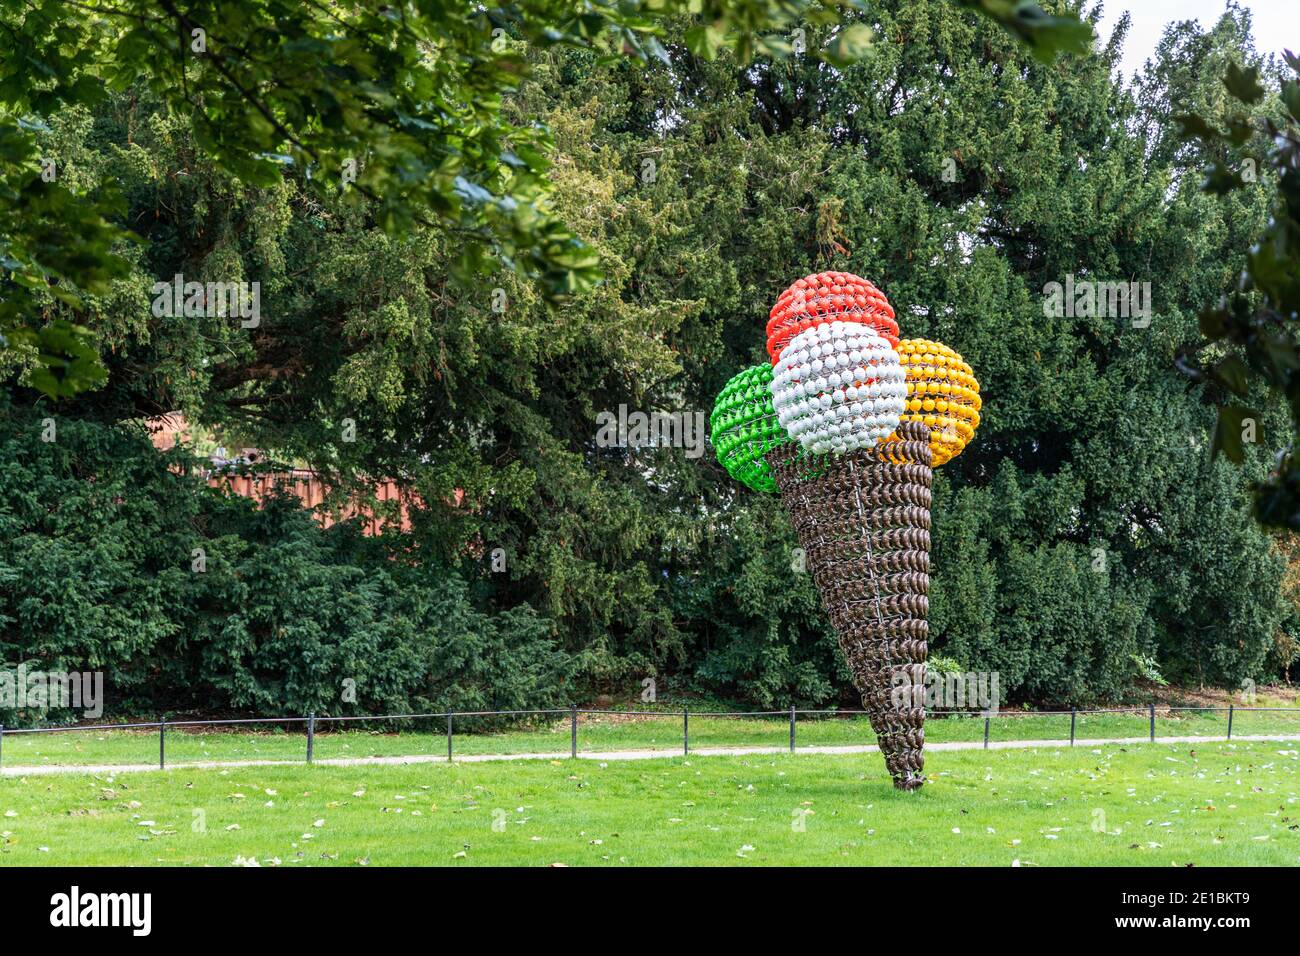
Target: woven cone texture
column 864, row 524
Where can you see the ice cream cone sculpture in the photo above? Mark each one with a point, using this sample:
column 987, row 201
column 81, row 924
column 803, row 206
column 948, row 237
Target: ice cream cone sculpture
column 942, row 394
column 846, row 426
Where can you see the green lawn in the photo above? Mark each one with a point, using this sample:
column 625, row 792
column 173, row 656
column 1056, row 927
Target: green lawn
column 597, row 733
column 1161, row 805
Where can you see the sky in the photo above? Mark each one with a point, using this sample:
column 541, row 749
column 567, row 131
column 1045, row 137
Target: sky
column 1275, row 24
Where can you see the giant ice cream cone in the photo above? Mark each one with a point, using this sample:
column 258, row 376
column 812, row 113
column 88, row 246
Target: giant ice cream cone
column 846, row 426
column 864, row 525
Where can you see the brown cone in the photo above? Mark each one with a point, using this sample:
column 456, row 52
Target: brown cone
column 863, row 520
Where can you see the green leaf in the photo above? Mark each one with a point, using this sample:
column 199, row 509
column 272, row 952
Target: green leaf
column 1192, row 125
column 705, row 40
column 1244, row 84
column 1046, row 34
column 849, row 44
column 1291, row 97
column 1220, row 180
column 1228, row 431
column 1231, row 372
column 1213, row 323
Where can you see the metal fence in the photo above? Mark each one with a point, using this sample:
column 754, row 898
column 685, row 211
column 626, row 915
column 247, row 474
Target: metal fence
column 311, row 721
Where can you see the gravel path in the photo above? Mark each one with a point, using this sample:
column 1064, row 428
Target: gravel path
column 629, row 754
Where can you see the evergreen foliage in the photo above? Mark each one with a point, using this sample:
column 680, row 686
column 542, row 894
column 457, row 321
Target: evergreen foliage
column 1084, row 533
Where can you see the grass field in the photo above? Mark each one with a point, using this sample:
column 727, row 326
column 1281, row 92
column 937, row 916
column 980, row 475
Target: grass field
column 597, row 733
column 1155, row 805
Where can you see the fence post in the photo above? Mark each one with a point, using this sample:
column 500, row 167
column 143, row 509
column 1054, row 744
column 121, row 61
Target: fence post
column 162, row 744
column 1229, row 722
column 2, row 742
column 1073, row 712
column 986, row 733
column 449, row 738
column 311, row 734
column 686, row 731
column 1153, row 722
column 792, row 728
column 573, row 730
